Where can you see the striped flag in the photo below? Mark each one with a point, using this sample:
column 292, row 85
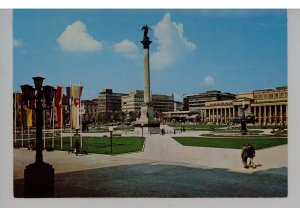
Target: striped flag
column 76, row 92
column 58, row 104
column 28, row 116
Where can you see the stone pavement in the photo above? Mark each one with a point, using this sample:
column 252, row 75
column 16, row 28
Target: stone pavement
column 162, row 160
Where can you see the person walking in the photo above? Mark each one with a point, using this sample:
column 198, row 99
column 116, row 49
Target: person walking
column 251, row 155
column 77, row 147
column 244, row 155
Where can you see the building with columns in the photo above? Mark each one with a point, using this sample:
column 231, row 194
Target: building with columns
column 269, row 107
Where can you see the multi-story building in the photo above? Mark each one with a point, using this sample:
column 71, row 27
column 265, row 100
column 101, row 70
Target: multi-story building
column 110, row 101
column 196, row 102
column 135, row 99
column 90, row 110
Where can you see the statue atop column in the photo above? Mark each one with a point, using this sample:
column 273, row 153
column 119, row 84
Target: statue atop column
column 146, row 29
column 146, row 40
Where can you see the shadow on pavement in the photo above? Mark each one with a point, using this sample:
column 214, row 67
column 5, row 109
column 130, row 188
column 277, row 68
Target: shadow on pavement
column 159, row 180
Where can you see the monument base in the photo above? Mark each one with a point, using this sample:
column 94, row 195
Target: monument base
column 146, row 122
column 39, row 181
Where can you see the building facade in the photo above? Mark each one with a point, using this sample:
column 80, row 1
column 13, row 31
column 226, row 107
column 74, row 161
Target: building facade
column 135, row 99
column 110, row 101
column 196, row 102
column 91, row 110
column 269, row 107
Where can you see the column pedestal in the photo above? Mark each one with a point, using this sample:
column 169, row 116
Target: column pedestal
column 150, row 125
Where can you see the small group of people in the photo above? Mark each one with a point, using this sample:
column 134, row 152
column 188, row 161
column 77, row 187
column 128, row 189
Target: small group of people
column 248, row 151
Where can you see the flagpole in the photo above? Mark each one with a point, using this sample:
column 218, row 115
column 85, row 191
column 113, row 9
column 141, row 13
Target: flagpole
column 80, row 115
column 22, row 125
column 61, row 117
column 53, row 123
column 44, row 129
column 28, row 135
column 70, row 103
column 22, row 134
column 15, row 123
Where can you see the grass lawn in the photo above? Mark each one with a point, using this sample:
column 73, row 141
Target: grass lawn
column 197, row 127
column 100, row 145
column 231, row 143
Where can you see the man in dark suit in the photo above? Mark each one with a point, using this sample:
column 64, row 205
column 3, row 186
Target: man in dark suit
column 248, row 151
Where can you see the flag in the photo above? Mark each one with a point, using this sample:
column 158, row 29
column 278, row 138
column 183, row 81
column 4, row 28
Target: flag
column 18, row 100
column 58, row 104
column 76, row 92
column 28, row 116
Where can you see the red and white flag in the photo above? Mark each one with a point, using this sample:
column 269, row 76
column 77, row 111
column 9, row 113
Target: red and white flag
column 58, row 104
column 76, row 92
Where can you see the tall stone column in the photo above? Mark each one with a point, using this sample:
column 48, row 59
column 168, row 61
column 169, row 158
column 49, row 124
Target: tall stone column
column 259, row 115
column 225, row 115
column 281, row 115
column 146, row 43
column 270, row 114
column 276, row 118
column 254, row 111
column 233, row 112
column 147, row 120
column 265, row 115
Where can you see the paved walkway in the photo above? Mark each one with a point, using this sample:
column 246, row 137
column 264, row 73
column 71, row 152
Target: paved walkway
column 161, row 153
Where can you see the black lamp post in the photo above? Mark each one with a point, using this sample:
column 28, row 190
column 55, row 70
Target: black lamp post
column 142, row 130
column 111, row 129
column 243, row 121
column 38, row 176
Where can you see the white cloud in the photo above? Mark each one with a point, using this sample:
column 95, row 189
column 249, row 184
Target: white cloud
column 126, row 48
column 208, row 81
column 172, row 44
column 76, row 38
column 17, row 42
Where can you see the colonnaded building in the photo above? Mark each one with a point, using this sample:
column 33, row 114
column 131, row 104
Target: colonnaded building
column 269, row 107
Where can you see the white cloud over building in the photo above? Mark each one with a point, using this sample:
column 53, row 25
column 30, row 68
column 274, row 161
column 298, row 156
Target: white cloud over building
column 172, row 44
column 207, row 81
column 126, row 48
column 76, row 38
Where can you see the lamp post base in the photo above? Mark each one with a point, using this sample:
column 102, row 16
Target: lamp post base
column 39, row 181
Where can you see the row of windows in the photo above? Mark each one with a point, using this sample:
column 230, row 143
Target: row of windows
column 271, row 95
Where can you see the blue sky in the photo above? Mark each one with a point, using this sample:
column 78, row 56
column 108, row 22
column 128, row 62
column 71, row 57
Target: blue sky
column 192, row 50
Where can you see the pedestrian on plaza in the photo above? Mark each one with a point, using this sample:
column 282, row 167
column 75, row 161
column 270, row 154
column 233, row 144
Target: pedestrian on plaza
column 251, row 155
column 244, row 155
column 76, row 147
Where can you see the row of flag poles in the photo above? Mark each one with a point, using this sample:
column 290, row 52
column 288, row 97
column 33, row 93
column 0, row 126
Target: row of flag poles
column 23, row 116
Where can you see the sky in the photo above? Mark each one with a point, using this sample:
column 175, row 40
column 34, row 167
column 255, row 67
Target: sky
column 192, row 51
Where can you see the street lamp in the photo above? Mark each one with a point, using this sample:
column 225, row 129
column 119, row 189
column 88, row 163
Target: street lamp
column 243, row 120
column 111, row 129
column 38, row 176
column 142, row 130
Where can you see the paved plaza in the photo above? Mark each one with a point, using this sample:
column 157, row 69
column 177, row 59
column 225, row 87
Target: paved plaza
column 164, row 168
